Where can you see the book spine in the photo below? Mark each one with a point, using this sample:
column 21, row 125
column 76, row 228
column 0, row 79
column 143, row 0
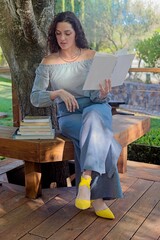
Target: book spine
column 35, row 123
column 35, row 133
column 37, row 119
column 41, row 129
column 30, row 137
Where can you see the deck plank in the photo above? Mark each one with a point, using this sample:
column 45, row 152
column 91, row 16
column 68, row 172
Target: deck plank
column 9, row 164
column 144, row 170
column 60, row 218
column 17, row 214
column 54, row 216
column 43, row 211
column 150, row 227
column 12, row 203
column 32, row 237
column 6, row 194
column 136, row 215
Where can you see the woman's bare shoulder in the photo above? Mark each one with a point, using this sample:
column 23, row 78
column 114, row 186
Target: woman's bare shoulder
column 89, row 53
column 50, row 59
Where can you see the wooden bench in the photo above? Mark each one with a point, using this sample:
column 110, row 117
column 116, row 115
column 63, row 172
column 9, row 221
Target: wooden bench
column 126, row 129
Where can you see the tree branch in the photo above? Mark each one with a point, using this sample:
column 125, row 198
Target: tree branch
column 7, row 15
column 28, row 21
column 39, row 6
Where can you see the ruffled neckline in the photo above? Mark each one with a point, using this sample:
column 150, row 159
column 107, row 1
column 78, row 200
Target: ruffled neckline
column 69, row 63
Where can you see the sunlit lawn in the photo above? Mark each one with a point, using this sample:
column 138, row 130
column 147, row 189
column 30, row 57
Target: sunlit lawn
column 6, row 101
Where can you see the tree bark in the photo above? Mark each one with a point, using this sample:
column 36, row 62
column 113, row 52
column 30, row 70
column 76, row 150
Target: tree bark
column 23, row 35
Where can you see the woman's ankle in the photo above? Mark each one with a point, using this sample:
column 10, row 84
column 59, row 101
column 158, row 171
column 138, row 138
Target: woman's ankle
column 99, row 204
column 87, row 174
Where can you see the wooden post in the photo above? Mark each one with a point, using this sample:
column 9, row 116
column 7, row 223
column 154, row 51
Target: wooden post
column 33, row 179
column 122, row 161
column 15, row 108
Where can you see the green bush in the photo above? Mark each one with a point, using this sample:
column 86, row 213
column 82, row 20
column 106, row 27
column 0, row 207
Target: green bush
column 147, row 148
column 149, row 50
column 144, row 153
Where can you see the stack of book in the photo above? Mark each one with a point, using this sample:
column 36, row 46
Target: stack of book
column 35, row 127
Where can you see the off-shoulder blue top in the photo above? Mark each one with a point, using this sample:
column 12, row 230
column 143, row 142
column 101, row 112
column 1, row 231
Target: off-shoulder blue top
column 68, row 76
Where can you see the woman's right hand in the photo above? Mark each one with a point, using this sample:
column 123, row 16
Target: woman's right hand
column 69, row 100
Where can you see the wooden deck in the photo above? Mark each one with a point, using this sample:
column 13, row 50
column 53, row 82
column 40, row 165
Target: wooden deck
column 54, row 216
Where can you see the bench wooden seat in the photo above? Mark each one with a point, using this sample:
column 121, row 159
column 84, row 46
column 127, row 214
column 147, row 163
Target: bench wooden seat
column 126, row 129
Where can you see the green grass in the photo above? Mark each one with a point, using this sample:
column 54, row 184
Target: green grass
column 6, row 101
column 152, row 138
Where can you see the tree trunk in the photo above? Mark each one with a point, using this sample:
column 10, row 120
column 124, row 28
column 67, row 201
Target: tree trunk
column 23, row 36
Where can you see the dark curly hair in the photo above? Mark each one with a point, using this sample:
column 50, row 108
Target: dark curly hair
column 71, row 18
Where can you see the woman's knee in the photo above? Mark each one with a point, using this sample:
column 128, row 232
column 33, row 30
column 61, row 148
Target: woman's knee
column 70, row 126
column 98, row 112
column 93, row 111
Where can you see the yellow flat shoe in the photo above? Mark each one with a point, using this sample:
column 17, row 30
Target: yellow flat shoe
column 83, row 203
column 106, row 213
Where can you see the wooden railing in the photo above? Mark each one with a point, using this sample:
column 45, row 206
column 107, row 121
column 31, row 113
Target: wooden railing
column 151, row 70
column 4, row 69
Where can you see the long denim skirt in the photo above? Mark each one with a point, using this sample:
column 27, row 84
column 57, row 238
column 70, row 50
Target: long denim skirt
column 90, row 129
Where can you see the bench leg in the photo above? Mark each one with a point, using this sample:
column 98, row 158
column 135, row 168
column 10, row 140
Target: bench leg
column 33, row 179
column 122, row 161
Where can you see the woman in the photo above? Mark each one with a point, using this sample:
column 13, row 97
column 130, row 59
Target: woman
column 83, row 116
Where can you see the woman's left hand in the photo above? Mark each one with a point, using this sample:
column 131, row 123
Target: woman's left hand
column 104, row 90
